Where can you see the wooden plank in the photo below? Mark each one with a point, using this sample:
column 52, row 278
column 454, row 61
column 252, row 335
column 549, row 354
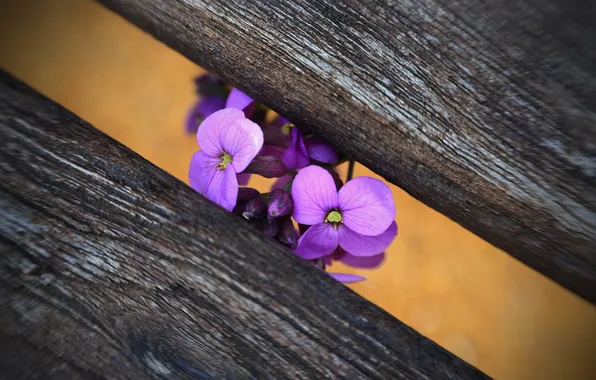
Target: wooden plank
column 483, row 110
column 111, row 268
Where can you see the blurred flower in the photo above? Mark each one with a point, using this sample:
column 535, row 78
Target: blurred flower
column 229, row 142
column 359, row 217
column 213, row 93
column 210, row 85
column 201, row 110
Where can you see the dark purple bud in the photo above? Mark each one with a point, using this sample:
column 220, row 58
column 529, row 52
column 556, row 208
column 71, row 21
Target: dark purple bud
column 210, row 85
column 246, row 194
column 287, row 234
column 270, row 227
column 280, row 204
column 255, row 208
column 272, row 150
column 267, row 166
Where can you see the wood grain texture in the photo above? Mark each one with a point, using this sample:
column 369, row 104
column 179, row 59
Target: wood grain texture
column 483, row 110
column 111, row 268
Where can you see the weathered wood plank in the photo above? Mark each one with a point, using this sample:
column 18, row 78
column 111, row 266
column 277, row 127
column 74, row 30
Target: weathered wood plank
column 111, row 268
column 484, row 110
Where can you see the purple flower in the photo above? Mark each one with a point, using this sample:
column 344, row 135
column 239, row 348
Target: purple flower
column 318, row 150
column 213, row 93
column 201, row 110
column 239, row 100
column 299, row 151
column 295, row 156
column 359, row 217
column 229, row 142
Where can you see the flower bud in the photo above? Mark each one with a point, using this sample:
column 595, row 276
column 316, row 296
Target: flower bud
column 280, row 204
column 270, row 227
column 287, row 234
column 246, row 194
column 267, row 166
column 255, row 208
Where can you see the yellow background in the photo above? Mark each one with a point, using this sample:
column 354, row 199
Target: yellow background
column 440, row 279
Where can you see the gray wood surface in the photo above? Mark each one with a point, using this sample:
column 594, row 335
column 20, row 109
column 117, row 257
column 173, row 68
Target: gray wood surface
column 110, row 268
column 483, row 110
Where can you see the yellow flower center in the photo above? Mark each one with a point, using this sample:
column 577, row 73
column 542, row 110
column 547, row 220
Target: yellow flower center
column 226, row 158
column 333, row 217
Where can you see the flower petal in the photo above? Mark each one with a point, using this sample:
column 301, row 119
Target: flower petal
column 366, row 205
column 209, row 136
column 238, row 99
column 201, row 110
column 282, row 181
column 318, row 150
column 296, row 155
column 365, row 262
column 219, row 186
column 318, row 241
column 243, row 139
column 314, row 195
column 193, row 119
column 243, row 178
column 347, row 278
column 211, row 104
column 360, row 245
column 201, row 171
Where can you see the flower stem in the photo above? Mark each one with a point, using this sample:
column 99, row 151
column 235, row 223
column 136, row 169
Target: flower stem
column 350, row 170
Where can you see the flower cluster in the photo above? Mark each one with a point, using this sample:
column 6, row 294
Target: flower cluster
column 352, row 223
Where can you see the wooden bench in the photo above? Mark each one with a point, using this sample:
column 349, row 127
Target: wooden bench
column 110, row 268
